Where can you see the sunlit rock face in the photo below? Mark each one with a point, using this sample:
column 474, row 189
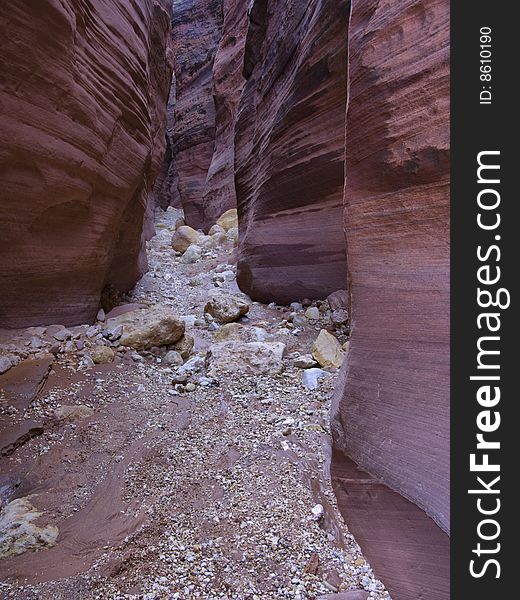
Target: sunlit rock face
column 83, row 90
column 290, row 150
column 393, row 402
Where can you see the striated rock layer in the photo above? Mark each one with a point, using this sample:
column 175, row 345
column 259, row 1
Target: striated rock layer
column 393, row 405
column 196, row 31
column 83, row 90
column 289, row 150
column 228, row 82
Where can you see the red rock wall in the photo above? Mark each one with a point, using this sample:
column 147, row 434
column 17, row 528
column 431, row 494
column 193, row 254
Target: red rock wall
column 289, row 150
column 393, row 417
column 228, row 82
column 83, row 89
column 196, row 32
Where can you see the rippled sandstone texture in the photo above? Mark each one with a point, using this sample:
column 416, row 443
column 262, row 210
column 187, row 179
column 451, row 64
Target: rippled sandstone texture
column 393, row 417
column 196, row 32
column 83, row 89
column 228, row 82
column 289, row 150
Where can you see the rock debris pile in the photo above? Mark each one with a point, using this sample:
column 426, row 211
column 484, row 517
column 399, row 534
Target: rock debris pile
column 184, row 444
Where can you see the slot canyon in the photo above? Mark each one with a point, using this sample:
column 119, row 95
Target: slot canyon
column 224, row 308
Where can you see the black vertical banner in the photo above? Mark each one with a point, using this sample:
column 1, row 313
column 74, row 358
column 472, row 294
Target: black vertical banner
column 485, row 256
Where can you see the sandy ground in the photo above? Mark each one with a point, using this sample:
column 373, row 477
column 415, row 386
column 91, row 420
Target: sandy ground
column 163, row 493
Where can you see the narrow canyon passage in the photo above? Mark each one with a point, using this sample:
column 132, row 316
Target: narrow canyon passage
column 216, row 487
column 224, row 306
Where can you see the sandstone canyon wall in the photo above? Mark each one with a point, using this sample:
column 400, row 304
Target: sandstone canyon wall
column 83, row 90
column 393, row 402
column 289, row 150
column 196, row 32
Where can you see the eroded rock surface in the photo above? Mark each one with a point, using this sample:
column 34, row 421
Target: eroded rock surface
column 393, row 417
column 83, row 94
column 228, row 82
column 289, row 150
column 196, row 32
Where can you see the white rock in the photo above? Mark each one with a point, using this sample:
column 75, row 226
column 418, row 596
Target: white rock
column 311, row 376
column 312, row 313
column 317, row 512
column 5, row 364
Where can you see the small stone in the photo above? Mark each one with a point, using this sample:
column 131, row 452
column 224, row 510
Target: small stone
column 327, row 350
column 311, row 377
column 190, row 387
column 92, row 331
column 317, row 512
column 101, row 315
column 62, row 334
column 338, row 300
column 5, row 364
column 74, row 412
column 296, row 306
column 225, row 308
column 299, row 321
column 102, row 355
column 305, row 362
column 339, row 316
column 192, row 255
column 346, row 346
column 312, row 564
column 173, row 358
column 185, row 345
column 312, row 313
column 113, row 334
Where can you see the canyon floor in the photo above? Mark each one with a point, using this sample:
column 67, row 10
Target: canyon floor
column 144, row 488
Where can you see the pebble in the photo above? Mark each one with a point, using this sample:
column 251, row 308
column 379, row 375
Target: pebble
column 62, row 334
column 312, row 313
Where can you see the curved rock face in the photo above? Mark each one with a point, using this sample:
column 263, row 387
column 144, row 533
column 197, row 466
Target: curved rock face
column 83, row 92
column 228, row 82
column 289, row 150
column 196, row 31
column 393, row 413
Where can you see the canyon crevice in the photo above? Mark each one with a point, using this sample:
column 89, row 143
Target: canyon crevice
column 284, row 166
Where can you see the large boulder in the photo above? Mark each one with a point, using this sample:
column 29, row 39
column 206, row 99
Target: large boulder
column 258, row 358
column 81, row 144
column 143, row 329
